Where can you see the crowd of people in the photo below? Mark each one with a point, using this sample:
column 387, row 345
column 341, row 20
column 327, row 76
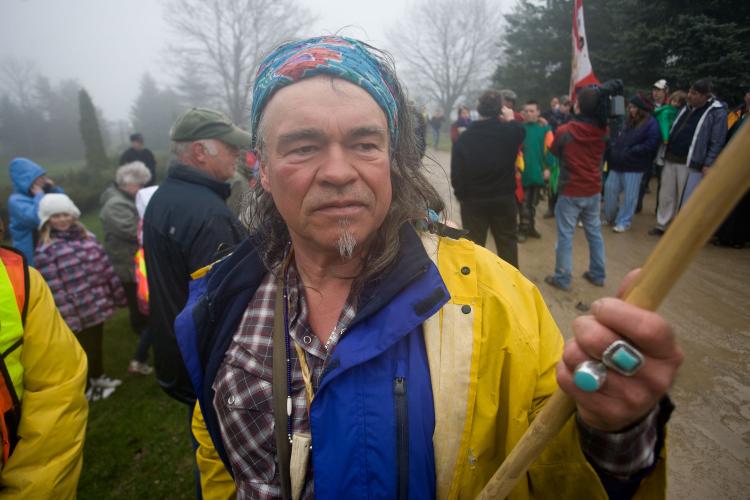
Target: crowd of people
column 344, row 340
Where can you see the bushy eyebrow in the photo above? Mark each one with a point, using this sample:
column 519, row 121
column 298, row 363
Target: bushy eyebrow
column 285, row 140
column 313, row 134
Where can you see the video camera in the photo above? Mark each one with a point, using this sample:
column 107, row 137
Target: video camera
column 610, row 103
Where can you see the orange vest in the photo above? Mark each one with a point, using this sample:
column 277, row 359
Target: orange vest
column 15, row 282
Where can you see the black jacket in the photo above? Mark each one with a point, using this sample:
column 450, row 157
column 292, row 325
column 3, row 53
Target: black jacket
column 187, row 226
column 144, row 155
column 483, row 162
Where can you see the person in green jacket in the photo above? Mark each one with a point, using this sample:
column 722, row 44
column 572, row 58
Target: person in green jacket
column 537, row 161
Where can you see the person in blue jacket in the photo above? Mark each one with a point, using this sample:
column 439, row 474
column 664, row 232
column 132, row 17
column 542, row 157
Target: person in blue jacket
column 30, row 184
column 628, row 157
column 332, row 356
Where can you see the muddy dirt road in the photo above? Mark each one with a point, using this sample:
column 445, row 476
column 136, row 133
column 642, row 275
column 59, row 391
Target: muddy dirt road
column 709, row 441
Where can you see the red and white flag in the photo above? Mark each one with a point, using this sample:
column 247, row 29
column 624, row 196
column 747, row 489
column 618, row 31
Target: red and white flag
column 581, row 74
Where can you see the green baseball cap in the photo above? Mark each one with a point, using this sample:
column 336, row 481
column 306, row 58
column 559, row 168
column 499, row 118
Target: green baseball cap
column 200, row 123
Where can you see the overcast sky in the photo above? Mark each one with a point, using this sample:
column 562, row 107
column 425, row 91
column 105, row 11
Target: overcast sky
column 108, row 44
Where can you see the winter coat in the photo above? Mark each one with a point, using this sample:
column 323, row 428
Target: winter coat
column 634, row 149
column 23, row 208
column 483, row 161
column 579, row 144
column 187, row 225
column 536, row 155
column 120, row 223
column 46, row 462
column 709, row 137
column 81, row 277
column 491, row 348
column 665, row 116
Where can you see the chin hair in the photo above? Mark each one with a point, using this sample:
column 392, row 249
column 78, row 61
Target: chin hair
column 346, row 240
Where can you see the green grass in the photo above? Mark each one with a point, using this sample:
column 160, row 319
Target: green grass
column 137, row 441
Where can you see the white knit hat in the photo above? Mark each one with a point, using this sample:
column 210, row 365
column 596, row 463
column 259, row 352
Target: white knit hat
column 56, row 203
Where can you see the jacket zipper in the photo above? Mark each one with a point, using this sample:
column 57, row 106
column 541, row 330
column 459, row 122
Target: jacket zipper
column 402, row 437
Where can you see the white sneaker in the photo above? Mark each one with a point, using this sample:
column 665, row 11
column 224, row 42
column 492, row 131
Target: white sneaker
column 138, row 368
column 619, row 229
column 105, row 381
column 98, row 393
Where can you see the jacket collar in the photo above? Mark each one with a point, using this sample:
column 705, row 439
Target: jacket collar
column 245, row 270
column 192, row 175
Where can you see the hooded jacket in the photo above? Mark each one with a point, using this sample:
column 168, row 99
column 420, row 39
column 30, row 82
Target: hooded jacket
column 187, row 225
column 491, row 348
column 23, row 207
column 635, row 147
column 580, row 144
column 709, row 136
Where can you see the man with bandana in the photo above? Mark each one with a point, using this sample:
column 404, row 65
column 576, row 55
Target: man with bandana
column 355, row 347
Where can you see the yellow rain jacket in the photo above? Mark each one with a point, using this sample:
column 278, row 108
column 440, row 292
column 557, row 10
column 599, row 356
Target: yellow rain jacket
column 491, row 370
column 46, row 462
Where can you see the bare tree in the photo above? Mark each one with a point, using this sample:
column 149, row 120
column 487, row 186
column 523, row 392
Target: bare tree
column 449, row 47
column 221, row 43
column 17, row 78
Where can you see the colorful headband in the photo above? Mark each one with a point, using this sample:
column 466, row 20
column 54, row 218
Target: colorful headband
column 341, row 57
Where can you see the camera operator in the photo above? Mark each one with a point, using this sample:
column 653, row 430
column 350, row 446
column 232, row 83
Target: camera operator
column 579, row 144
column 30, row 184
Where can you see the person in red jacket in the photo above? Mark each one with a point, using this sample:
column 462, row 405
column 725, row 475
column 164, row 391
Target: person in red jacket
column 579, row 144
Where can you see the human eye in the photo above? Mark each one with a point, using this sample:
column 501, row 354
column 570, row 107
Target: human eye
column 303, row 150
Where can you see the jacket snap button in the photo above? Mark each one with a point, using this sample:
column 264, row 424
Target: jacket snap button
column 465, row 270
column 231, row 400
column 466, row 309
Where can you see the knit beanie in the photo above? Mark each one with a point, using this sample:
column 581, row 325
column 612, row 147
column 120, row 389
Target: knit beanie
column 640, row 102
column 56, row 203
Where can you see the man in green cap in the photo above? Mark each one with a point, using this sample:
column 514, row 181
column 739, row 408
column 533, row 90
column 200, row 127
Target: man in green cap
column 188, row 225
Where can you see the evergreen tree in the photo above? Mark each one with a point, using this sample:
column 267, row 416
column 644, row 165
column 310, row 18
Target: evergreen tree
column 638, row 41
column 96, row 157
column 154, row 112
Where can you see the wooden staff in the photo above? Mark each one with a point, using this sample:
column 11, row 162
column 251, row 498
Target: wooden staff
column 712, row 201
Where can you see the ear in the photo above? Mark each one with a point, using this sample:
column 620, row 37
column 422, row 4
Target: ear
column 265, row 180
column 198, row 152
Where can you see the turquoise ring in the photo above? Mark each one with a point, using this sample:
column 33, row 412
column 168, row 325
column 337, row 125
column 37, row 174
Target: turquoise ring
column 590, row 376
column 623, row 358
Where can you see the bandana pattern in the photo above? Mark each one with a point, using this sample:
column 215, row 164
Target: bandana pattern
column 341, row 57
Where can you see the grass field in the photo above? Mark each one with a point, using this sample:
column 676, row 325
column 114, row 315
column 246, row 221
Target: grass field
column 137, row 441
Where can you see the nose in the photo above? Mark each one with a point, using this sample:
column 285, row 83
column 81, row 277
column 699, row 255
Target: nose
column 337, row 169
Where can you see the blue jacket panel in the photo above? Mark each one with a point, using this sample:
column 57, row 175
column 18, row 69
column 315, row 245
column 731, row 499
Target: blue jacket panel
column 634, row 149
column 23, row 208
column 709, row 137
column 381, row 358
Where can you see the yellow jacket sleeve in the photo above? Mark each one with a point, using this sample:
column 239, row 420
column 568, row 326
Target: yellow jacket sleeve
column 46, row 462
column 216, row 482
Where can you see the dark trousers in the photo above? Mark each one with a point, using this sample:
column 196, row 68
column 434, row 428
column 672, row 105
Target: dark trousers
column 501, row 218
column 138, row 322
column 528, row 207
column 91, row 341
column 653, row 171
column 551, row 201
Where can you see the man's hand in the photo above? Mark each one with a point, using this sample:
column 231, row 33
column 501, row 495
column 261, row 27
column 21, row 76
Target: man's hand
column 506, row 114
column 38, row 185
column 543, row 121
column 546, row 174
column 621, row 401
column 704, row 170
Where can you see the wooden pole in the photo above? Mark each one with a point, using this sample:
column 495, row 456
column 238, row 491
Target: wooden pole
column 727, row 181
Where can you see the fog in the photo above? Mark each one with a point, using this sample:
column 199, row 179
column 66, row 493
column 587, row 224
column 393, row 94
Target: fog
column 107, row 45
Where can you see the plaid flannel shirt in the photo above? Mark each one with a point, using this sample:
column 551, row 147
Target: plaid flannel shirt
column 244, row 405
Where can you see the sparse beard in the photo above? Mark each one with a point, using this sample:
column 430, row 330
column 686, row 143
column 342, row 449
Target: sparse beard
column 346, row 240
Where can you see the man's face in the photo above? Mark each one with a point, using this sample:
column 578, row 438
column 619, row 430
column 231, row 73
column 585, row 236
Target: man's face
column 325, row 162
column 659, row 96
column 565, row 107
column 696, row 99
column 222, row 165
column 531, row 113
column 554, row 103
column 137, row 145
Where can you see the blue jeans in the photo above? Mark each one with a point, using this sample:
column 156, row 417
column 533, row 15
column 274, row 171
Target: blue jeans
column 567, row 212
column 628, row 183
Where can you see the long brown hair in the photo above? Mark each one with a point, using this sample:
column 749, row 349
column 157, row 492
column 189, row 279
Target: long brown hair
column 639, row 119
column 45, row 233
